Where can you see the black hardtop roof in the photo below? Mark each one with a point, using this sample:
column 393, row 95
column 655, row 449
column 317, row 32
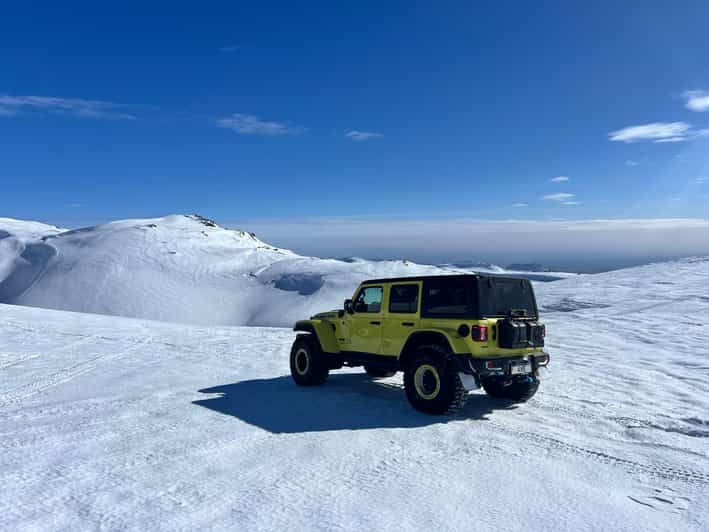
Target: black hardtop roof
column 445, row 276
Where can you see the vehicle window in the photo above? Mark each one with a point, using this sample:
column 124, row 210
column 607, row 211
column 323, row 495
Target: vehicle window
column 369, row 299
column 505, row 297
column 448, row 298
column 404, row 298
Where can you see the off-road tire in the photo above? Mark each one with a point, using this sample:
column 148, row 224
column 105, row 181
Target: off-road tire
column 517, row 391
column 432, row 372
column 379, row 373
column 308, row 365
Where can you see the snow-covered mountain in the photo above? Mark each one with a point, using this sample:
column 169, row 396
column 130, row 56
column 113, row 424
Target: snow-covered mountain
column 122, row 424
column 178, row 268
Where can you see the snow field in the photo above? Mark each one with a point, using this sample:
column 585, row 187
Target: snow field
column 115, row 423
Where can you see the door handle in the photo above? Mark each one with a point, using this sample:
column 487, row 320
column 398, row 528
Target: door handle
column 375, row 322
column 407, row 324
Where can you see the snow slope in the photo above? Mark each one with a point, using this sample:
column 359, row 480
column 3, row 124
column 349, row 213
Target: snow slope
column 178, row 268
column 22, row 255
column 121, row 424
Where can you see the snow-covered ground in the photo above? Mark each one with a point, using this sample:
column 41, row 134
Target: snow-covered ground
column 111, row 423
column 178, row 268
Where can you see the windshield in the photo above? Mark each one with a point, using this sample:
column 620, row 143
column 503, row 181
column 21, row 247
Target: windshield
column 505, row 297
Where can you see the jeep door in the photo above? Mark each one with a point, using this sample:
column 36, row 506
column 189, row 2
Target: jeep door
column 365, row 324
column 402, row 316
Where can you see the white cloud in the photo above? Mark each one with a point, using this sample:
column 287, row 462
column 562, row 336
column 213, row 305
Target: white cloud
column 656, row 132
column 559, row 196
column 630, row 162
column 671, row 139
column 701, row 180
column 13, row 105
column 559, row 179
column 362, row 135
column 229, row 48
column 253, row 125
column 571, row 203
column 520, row 205
column 697, row 100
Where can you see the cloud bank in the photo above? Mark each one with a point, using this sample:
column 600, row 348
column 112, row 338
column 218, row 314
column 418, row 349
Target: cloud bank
column 583, row 245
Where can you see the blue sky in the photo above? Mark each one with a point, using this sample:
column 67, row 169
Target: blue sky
column 367, row 110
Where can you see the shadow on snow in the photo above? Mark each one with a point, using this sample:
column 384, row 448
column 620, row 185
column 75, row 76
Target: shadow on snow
column 349, row 401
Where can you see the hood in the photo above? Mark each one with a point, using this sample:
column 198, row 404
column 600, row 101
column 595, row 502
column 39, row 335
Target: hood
column 324, row 315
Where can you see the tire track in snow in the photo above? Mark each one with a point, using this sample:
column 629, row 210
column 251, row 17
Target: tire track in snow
column 83, row 339
column 665, row 472
column 15, row 361
column 65, row 374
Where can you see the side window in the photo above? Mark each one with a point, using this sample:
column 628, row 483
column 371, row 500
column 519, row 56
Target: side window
column 369, row 299
column 447, row 298
column 404, row 298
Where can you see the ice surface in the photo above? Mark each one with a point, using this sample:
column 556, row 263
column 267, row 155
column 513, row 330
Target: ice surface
column 122, row 424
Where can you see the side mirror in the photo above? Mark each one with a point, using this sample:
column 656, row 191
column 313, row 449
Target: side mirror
column 348, row 306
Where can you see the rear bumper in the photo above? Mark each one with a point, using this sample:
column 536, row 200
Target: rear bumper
column 499, row 367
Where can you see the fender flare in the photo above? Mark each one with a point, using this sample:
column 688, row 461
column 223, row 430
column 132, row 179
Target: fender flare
column 323, row 331
column 304, row 326
column 424, row 337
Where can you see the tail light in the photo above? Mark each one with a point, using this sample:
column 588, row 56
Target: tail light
column 479, row 333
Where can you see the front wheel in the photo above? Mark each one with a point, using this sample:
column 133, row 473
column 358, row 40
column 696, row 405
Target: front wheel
column 432, row 383
column 308, row 366
column 520, row 390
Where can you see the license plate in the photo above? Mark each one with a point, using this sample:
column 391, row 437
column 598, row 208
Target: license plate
column 521, row 368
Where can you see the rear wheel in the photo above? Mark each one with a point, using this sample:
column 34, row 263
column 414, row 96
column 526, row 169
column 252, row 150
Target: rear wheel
column 379, row 373
column 520, row 390
column 308, row 365
column 432, row 383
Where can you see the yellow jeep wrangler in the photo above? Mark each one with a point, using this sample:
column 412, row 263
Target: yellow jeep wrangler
column 449, row 334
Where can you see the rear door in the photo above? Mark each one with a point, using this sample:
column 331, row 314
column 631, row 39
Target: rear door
column 402, row 315
column 365, row 324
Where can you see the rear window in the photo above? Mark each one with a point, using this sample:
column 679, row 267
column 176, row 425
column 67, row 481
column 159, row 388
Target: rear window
column 505, row 297
column 404, row 298
column 448, row 298
column 474, row 298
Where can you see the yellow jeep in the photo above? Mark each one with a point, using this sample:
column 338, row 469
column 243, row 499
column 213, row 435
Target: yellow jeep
column 449, row 334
